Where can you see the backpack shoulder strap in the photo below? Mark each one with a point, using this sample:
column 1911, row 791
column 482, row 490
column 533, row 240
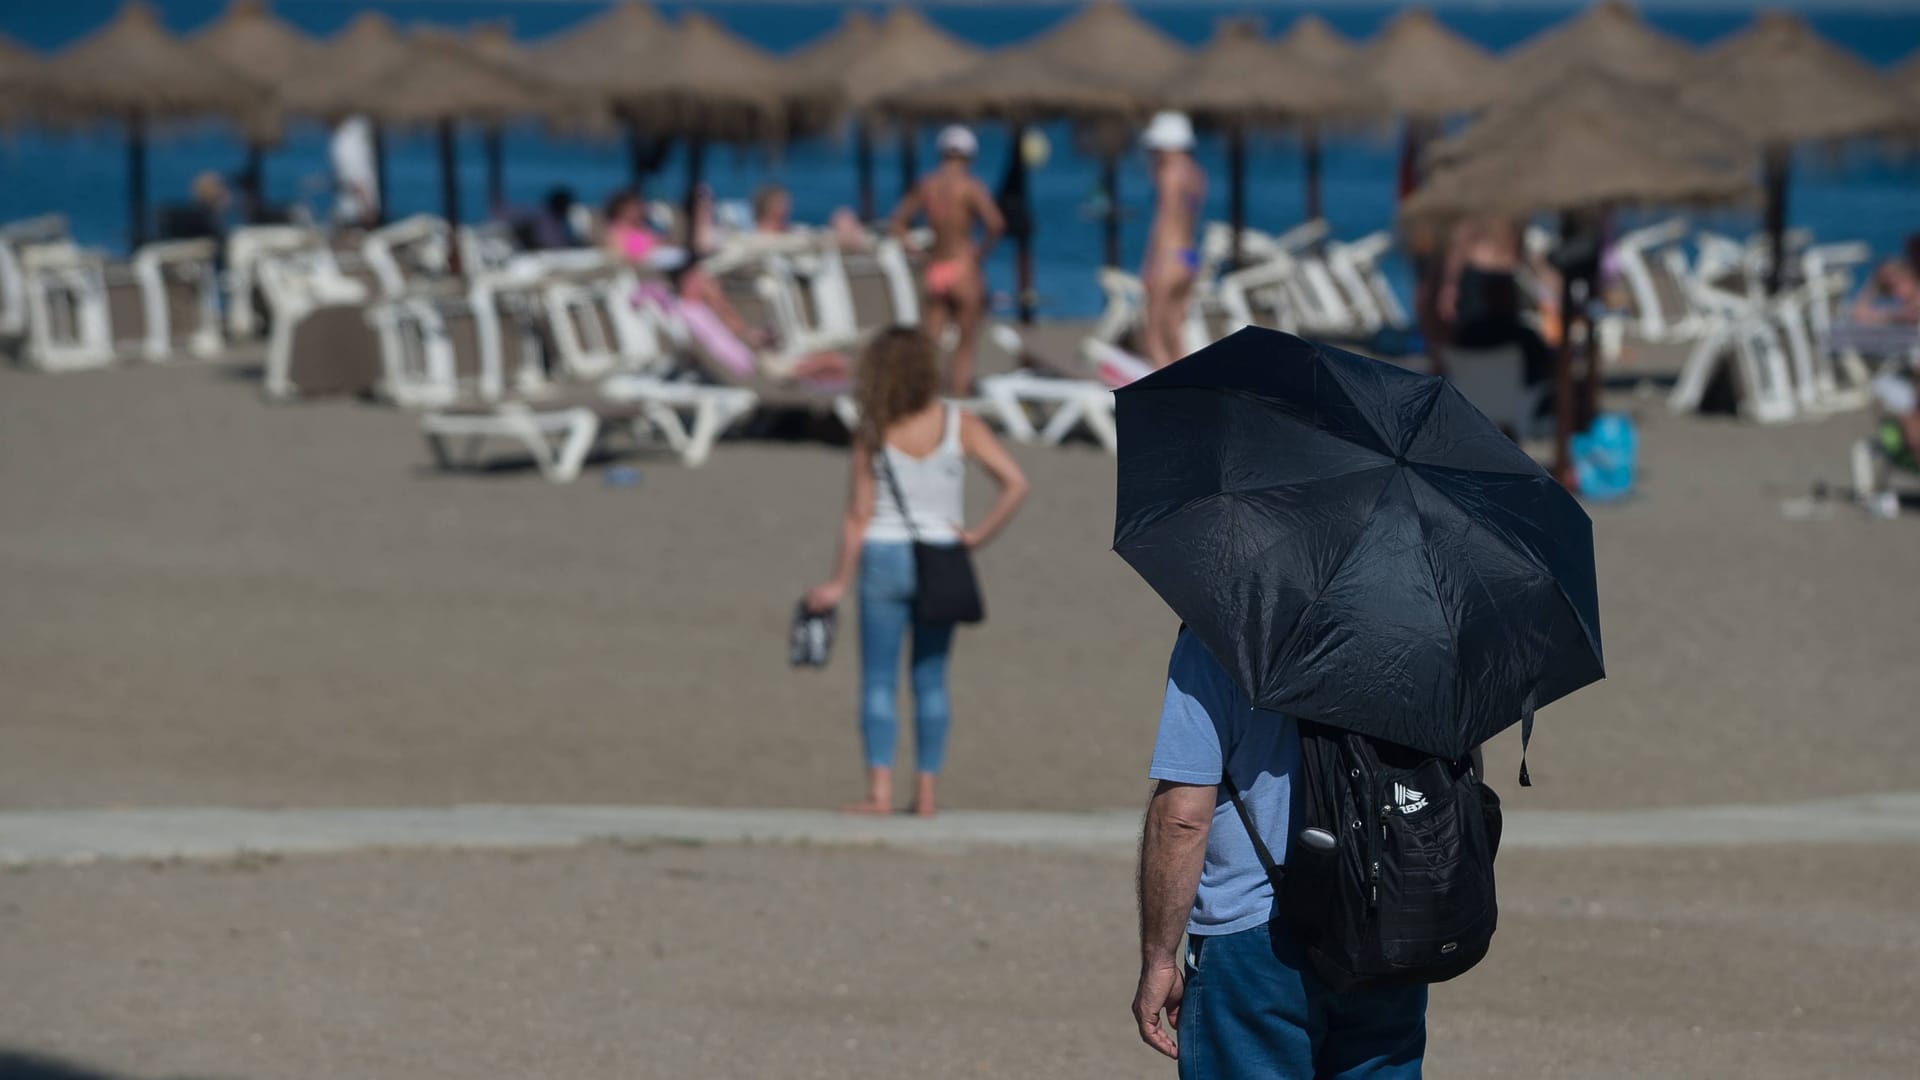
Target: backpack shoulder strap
column 1274, row 871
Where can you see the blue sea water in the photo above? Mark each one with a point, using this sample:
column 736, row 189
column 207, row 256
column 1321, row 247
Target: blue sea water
column 1858, row 194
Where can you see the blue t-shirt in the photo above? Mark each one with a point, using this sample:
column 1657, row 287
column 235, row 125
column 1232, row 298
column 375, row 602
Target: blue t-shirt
column 1208, row 729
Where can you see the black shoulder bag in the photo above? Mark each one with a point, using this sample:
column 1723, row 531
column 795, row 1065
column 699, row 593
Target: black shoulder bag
column 945, row 589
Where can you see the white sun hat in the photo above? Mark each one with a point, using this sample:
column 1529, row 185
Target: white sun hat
column 957, row 141
column 1170, row 130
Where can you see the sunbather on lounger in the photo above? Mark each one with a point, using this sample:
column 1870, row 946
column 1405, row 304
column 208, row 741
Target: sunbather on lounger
column 953, row 200
column 1891, row 297
column 627, row 238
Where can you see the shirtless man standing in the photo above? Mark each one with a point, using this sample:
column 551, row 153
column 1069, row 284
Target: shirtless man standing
column 952, row 200
column 1172, row 260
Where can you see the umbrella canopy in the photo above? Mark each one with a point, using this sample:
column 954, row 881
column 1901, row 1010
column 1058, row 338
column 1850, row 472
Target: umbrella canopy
column 1427, row 70
column 1907, row 76
column 1354, row 542
column 1588, row 98
column 1312, row 39
column 1780, row 83
column 1241, row 79
column 250, row 40
column 1610, row 37
column 1561, row 160
column 133, row 66
column 869, row 60
column 332, row 77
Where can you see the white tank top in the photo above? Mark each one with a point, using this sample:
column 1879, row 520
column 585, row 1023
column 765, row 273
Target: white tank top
column 934, row 488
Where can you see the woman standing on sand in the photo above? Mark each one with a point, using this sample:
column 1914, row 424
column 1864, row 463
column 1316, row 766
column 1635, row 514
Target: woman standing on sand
column 926, row 443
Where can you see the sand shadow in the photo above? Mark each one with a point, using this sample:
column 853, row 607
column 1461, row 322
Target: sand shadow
column 26, row 1065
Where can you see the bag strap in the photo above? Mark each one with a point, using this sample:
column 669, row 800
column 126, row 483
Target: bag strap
column 893, row 485
column 1273, row 869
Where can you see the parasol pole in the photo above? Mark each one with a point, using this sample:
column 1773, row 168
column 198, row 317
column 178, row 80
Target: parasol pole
column 136, row 179
column 863, row 165
column 253, row 180
column 1110, row 212
column 496, row 168
column 380, row 196
column 909, row 157
column 1019, row 215
column 1563, row 376
column 1776, row 195
column 449, row 176
column 696, row 164
column 1310, row 161
column 1236, row 186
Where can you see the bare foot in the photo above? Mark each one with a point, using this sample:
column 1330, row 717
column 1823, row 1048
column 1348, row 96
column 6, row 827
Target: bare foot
column 867, row 807
column 923, row 804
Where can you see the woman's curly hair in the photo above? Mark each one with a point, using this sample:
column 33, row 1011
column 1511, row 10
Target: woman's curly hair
column 899, row 375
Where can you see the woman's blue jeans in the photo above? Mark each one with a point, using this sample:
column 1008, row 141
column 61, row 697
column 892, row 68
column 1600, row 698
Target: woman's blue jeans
column 886, row 613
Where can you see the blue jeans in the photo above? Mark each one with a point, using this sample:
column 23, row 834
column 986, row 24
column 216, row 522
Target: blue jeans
column 886, row 611
column 1253, row 1008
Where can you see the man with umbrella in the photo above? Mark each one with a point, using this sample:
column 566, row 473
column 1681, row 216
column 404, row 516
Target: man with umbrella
column 1355, row 551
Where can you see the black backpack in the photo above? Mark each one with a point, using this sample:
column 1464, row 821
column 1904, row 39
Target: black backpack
column 1389, row 871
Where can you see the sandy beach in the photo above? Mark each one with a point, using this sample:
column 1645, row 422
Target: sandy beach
column 215, row 602
column 728, row 961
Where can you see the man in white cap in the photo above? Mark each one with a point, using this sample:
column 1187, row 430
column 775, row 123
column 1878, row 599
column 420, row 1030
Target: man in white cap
column 1172, row 259
column 953, row 201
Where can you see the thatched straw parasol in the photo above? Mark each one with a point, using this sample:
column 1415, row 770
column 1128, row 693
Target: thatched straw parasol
column 1907, row 75
column 250, row 40
column 133, row 68
column 1108, row 39
column 1239, row 81
column 1589, row 157
column 867, row 60
column 1427, row 71
column 1313, row 39
column 443, row 80
column 326, row 84
column 599, row 55
column 1587, row 96
column 1560, row 156
column 1779, row 83
column 1609, row 37
column 22, row 75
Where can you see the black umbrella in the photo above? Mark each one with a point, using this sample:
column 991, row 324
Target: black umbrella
column 1355, row 543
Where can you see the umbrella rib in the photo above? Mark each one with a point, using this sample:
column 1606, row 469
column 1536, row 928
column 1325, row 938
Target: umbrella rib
column 1345, row 557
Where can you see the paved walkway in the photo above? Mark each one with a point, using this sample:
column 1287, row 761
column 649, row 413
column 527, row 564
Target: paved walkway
column 38, row 836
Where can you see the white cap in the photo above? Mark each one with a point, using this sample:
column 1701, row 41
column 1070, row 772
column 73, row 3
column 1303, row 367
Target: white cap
column 1169, row 130
column 956, row 140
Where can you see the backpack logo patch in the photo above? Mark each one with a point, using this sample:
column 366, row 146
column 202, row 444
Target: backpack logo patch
column 1407, row 800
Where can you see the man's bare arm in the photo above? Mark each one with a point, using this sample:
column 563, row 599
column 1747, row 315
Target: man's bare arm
column 1173, row 847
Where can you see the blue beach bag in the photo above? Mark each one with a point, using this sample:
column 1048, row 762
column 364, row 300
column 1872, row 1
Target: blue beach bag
column 1604, row 457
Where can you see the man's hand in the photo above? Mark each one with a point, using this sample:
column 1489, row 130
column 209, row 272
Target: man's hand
column 1162, row 986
